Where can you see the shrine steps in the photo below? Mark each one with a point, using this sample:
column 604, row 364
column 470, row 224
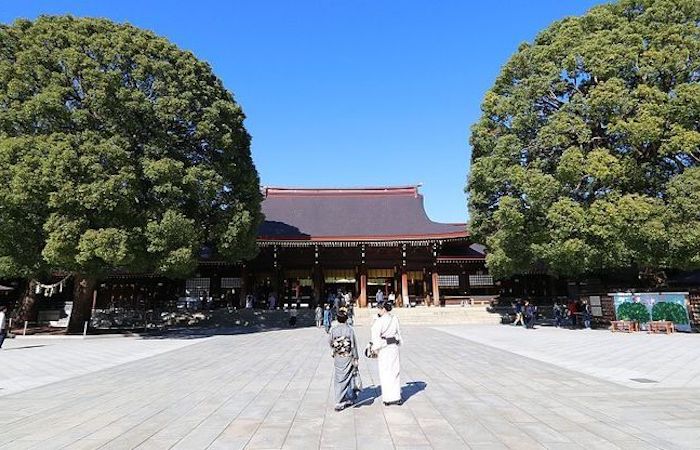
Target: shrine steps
column 422, row 315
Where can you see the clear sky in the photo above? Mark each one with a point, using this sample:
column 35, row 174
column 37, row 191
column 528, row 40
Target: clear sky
column 346, row 93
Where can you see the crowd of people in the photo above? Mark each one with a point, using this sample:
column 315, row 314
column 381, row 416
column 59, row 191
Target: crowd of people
column 573, row 314
column 326, row 315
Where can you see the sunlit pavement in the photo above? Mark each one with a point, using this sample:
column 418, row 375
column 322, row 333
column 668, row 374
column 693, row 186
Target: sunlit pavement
column 466, row 387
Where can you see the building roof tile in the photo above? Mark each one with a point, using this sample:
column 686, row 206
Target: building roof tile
column 374, row 213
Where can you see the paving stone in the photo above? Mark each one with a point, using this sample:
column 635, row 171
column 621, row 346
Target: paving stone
column 504, row 388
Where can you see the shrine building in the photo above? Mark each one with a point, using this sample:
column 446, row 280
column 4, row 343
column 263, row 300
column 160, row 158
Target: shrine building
column 359, row 240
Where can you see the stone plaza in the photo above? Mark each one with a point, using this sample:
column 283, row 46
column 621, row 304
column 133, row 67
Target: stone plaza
column 465, row 386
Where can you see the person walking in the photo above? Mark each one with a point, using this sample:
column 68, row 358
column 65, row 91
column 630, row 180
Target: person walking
column 557, row 311
column 345, row 361
column 572, row 310
column 337, row 302
column 379, row 297
column 293, row 316
column 385, row 341
column 530, row 315
column 518, row 313
column 587, row 315
column 327, row 318
column 3, row 329
column 319, row 316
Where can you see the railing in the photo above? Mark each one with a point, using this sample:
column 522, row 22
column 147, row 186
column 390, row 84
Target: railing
column 480, row 280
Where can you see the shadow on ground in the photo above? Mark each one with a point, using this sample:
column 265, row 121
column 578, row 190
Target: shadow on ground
column 205, row 332
column 368, row 395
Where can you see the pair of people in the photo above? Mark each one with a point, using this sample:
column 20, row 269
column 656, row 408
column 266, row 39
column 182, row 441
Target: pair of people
column 385, row 341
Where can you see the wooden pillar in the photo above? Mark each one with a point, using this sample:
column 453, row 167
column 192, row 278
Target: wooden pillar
column 436, row 289
column 363, row 290
column 404, row 288
column 362, row 298
column 317, row 280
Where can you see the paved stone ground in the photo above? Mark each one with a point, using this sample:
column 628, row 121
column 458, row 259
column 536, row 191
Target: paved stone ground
column 27, row 362
column 272, row 390
column 670, row 360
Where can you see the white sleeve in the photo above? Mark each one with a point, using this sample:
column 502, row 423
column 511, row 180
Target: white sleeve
column 398, row 332
column 375, row 336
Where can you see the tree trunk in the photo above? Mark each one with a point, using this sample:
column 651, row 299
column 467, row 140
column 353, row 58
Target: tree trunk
column 28, row 305
column 84, row 286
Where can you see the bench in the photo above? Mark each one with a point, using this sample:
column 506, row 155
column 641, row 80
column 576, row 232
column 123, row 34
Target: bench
column 658, row 326
column 626, row 326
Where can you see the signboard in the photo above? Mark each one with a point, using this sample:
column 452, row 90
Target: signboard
column 645, row 306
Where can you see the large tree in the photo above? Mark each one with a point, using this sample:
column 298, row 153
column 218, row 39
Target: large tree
column 587, row 155
column 117, row 151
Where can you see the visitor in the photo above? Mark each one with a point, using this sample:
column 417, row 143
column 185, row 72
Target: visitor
column 586, row 314
column 557, row 312
column 272, row 301
column 345, row 361
column 530, row 315
column 337, row 302
column 385, row 341
column 571, row 314
column 319, row 316
column 327, row 318
column 392, row 297
column 351, row 314
column 378, row 297
column 518, row 307
column 3, row 329
column 249, row 301
column 293, row 316
column 347, row 298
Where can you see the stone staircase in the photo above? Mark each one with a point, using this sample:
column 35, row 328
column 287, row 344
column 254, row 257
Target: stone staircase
column 423, row 315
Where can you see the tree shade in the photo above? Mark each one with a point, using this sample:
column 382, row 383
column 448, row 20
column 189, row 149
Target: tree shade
column 587, row 155
column 117, row 151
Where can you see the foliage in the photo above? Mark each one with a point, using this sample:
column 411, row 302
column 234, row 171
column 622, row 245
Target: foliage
column 633, row 311
column 587, row 154
column 673, row 312
column 117, row 150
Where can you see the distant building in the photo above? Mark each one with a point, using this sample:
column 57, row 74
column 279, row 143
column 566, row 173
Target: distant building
column 361, row 240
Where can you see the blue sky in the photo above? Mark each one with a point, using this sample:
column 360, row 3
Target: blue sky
column 347, row 93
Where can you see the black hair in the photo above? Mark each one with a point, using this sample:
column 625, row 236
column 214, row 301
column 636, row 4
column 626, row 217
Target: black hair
column 342, row 318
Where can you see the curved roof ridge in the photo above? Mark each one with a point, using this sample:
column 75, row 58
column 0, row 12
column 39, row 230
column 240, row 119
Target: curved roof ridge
column 366, row 190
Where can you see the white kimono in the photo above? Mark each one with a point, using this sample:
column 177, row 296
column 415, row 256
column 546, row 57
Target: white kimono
column 385, row 327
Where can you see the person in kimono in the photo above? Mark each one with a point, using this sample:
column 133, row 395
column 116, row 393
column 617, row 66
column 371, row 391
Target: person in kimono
column 327, row 318
column 319, row 316
column 345, row 359
column 385, row 341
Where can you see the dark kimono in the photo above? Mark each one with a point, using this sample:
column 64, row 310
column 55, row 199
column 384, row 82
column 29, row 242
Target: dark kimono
column 344, row 346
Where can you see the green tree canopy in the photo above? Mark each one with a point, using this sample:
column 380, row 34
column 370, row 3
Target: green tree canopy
column 117, row 150
column 587, row 154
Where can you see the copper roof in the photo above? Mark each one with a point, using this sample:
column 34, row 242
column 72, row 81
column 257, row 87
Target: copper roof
column 368, row 213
